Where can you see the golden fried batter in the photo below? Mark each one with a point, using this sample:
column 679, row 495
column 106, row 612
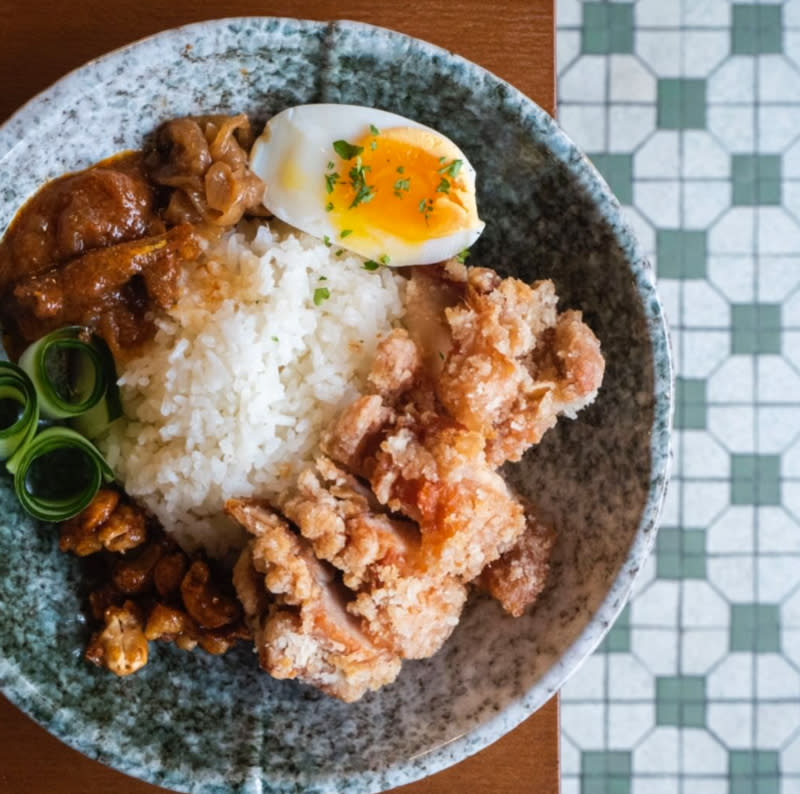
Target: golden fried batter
column 307, row 632
column 517, row 579
column 516, row 364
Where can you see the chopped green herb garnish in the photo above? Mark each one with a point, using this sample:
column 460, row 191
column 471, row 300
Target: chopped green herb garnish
column 358, row 182
column 363, row 194
column 327, row 240
column 339, row 251
column 402, row 184
column 384, row 259
column 330, row 181
column 322, row 278
column 330, row 164
column 452, row 168
column 329, row 206
column 441, row 355
column 274, row 338
column 400, row 169
column 442, row 159
column 373, row 145
column 374, row 130
column 425, row 207
column 462, row 256
column 321, row 294
column 345, row 233
column 444, row 186
column 347, row 151
column 371, row 264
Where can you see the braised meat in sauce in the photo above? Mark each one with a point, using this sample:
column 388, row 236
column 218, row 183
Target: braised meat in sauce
column 107, row 204
column 103, row 248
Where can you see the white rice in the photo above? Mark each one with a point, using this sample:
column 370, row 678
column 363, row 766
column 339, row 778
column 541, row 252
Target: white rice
column 240, row 380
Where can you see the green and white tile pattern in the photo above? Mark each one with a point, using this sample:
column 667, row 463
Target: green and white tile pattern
column 691, row 110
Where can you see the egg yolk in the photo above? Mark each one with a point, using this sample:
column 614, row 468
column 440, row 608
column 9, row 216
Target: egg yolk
column 404, row 182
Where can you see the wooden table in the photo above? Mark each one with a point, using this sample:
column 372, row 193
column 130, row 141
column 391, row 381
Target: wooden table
column 44, row 39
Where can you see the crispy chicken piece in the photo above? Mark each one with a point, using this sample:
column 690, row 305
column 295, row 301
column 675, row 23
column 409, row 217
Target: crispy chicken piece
column 515, row 363
column 307, row 632
column 570, row 357
column 410, row 613
column 485, row 369
column 397, row 366
column 250, row 590
column 429, row 292
column 517, row 579
column 357, row 432
column 421, row 463
column 345, row 524
column 405, row 610
column 436, row 472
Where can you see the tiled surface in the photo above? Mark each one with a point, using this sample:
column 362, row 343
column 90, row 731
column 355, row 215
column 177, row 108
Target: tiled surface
column 691, row 109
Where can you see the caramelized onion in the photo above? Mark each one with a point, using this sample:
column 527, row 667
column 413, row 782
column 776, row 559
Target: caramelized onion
column 204, row 161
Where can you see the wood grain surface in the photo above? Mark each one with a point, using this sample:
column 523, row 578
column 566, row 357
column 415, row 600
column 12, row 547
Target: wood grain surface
column 42, row 40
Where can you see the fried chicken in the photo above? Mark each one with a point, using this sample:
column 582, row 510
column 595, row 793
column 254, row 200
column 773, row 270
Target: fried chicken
column 345, row 525
column 434, row 471
column 518, row 577
column 402, row 608
column 356, row 433
column 515, row 363
column 306, row 631
column 397, row 366
column 410, row 613
column 421, row 463
column 368, row 560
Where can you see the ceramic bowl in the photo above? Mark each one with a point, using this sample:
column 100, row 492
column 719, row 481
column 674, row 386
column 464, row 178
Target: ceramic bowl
column 197, row 723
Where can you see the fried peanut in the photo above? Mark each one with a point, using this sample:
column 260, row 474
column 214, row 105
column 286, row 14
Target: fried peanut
column 121, row 646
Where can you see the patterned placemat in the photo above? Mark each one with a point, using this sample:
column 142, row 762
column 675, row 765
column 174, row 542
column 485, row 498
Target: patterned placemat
column 691, row 110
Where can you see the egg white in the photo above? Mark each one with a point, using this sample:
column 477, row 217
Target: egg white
column 292, row 157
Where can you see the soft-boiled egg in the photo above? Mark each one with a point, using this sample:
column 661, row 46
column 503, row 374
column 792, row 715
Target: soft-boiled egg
column 383, row 186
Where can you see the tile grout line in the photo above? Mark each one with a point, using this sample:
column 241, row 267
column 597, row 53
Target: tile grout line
column 756, row 444
column 681, row 368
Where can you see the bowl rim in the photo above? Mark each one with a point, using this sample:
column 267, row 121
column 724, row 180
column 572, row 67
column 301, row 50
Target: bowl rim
column 19, row 691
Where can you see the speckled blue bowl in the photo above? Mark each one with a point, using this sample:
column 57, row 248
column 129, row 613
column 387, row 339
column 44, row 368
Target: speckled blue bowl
column 202, row 724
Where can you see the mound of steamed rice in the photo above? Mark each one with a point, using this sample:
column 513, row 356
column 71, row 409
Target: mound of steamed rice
column 274, row 335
